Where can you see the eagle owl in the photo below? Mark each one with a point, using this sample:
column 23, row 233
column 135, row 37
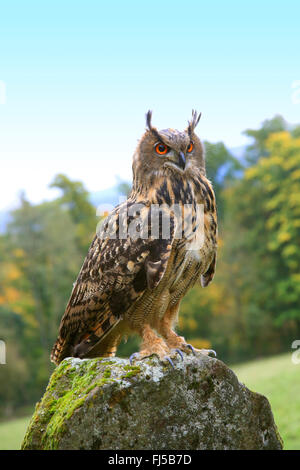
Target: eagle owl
column 133, row 281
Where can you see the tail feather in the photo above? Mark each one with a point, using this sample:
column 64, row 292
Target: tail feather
column 80, row 346
column 60, row 350
column 90, row 341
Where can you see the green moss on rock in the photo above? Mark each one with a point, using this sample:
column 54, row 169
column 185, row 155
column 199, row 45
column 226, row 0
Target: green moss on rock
column 68, row 389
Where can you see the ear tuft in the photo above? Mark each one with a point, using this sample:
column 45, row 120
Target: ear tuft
column 148, row 120
column 194, row 121
column 149, row 125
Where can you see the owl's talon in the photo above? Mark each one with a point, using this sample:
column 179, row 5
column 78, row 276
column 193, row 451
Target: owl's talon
column 180, row 353
column 170, row 361
column 132, row 357
column 191, row 348
column 208, row 352
column 212, row 352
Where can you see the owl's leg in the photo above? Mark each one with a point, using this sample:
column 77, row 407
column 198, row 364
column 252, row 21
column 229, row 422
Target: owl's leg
column 165, row 328
column 151, row 344
column 174, row 341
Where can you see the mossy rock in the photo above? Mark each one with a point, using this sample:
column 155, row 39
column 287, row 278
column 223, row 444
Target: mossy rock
column 107, row 403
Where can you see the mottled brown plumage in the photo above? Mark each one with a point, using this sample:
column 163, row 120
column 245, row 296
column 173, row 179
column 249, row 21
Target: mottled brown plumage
column 134, row 282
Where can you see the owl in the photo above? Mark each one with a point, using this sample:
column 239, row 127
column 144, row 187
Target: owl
column 147, row 254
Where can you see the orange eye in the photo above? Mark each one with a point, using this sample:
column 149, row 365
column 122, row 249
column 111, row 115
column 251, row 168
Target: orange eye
column 190, row 147
column 161, row 149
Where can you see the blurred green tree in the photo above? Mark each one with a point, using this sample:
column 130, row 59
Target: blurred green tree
column 262, row 247
column 222, row 169
column 75, row 198
column 43, row 249
column 258, row 148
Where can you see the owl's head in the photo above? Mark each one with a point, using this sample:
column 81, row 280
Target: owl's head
column 168, row 153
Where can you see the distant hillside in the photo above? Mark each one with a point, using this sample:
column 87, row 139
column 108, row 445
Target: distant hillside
column 238, row 152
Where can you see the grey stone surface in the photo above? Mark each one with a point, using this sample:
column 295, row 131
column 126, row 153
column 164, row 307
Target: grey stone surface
column 107, row 403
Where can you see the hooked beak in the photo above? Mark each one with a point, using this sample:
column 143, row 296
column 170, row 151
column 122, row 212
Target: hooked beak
column 176, row 160
column 182, row 160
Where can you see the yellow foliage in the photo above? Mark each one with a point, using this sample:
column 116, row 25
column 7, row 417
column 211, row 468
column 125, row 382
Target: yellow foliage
column 279, row 141
column 10, row 295
column 296, row 277
column 283, row 237
column 201, row 343
column 10, row 272
column 18, row 253
column 296, row 175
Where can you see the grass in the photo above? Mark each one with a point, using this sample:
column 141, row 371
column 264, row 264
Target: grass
column 277, row 378
column 12, row 433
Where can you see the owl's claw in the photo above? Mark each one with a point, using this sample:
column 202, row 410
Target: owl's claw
column 167, row 358
column 180, row 353
column 191, row 348
column 132, row 357
column 208, row 352
column 212, row 352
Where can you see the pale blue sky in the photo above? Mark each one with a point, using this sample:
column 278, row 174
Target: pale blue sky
column 80, row 76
